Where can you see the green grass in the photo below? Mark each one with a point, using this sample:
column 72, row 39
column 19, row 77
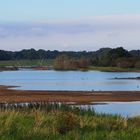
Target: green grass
column 112, row 69
column 64, row 123
column 26, row 63
column 50, row 62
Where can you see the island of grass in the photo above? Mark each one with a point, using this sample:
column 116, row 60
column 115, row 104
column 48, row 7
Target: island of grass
column 113, row 69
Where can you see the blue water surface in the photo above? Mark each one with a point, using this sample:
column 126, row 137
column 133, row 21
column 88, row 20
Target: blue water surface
column 70, row 80
column 78, row 80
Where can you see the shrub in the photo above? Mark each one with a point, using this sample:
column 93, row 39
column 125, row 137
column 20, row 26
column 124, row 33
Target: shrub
column 66, row 122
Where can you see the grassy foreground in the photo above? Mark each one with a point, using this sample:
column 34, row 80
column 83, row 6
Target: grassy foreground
column 55, row 122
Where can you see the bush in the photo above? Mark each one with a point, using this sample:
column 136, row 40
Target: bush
column 125, row 62
column 64, row 62
column 137, row 64
column 66, row 122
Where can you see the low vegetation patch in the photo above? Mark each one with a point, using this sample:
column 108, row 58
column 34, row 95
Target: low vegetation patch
column 62, row 122
column 16, row 63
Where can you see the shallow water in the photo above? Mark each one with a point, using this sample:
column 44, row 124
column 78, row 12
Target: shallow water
column 125, row 109
column 78, row 80
column 70, row 80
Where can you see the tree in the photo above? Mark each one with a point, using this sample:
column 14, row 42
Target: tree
column 125, row 62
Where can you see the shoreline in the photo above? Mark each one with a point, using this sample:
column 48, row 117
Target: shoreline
column 127, row 78
column 8, row 95
column 94, row 68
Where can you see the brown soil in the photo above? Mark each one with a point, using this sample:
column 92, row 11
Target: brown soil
column 11, row 95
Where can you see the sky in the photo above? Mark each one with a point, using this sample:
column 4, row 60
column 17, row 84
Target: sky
column 69, row 24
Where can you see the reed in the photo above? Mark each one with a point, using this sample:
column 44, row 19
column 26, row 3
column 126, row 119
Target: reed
column 51, row 121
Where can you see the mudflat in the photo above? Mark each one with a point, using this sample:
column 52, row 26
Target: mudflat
column 9, row 95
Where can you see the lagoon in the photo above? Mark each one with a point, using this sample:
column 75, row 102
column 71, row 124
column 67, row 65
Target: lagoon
column 79, row 81
column 70, row 80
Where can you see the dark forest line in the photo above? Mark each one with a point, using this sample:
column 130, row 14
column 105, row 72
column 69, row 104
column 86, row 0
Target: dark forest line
column 70, row 60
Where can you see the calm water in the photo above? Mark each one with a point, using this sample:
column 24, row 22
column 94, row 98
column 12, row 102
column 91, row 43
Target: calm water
column 77, row 80
column 125, row 109
column 70, row 80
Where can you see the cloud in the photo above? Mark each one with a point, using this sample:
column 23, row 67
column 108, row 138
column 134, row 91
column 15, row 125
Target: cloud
column 89, row 33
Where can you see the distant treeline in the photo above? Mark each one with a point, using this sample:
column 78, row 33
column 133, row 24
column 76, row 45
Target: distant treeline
column 118, row 57
column 33, row 54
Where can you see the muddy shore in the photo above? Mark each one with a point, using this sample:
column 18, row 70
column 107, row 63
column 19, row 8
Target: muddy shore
column 8, row 95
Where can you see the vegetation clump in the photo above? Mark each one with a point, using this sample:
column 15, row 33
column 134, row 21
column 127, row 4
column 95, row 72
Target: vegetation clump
column 64, row 62
column 66, row 122
column 62, row 122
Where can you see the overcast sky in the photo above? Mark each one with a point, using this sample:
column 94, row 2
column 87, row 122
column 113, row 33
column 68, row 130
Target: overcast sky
column 69, row 24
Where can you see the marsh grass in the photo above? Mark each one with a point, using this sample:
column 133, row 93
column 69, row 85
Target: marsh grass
column 112, row 69
column 53, row 121
column 37, row 62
